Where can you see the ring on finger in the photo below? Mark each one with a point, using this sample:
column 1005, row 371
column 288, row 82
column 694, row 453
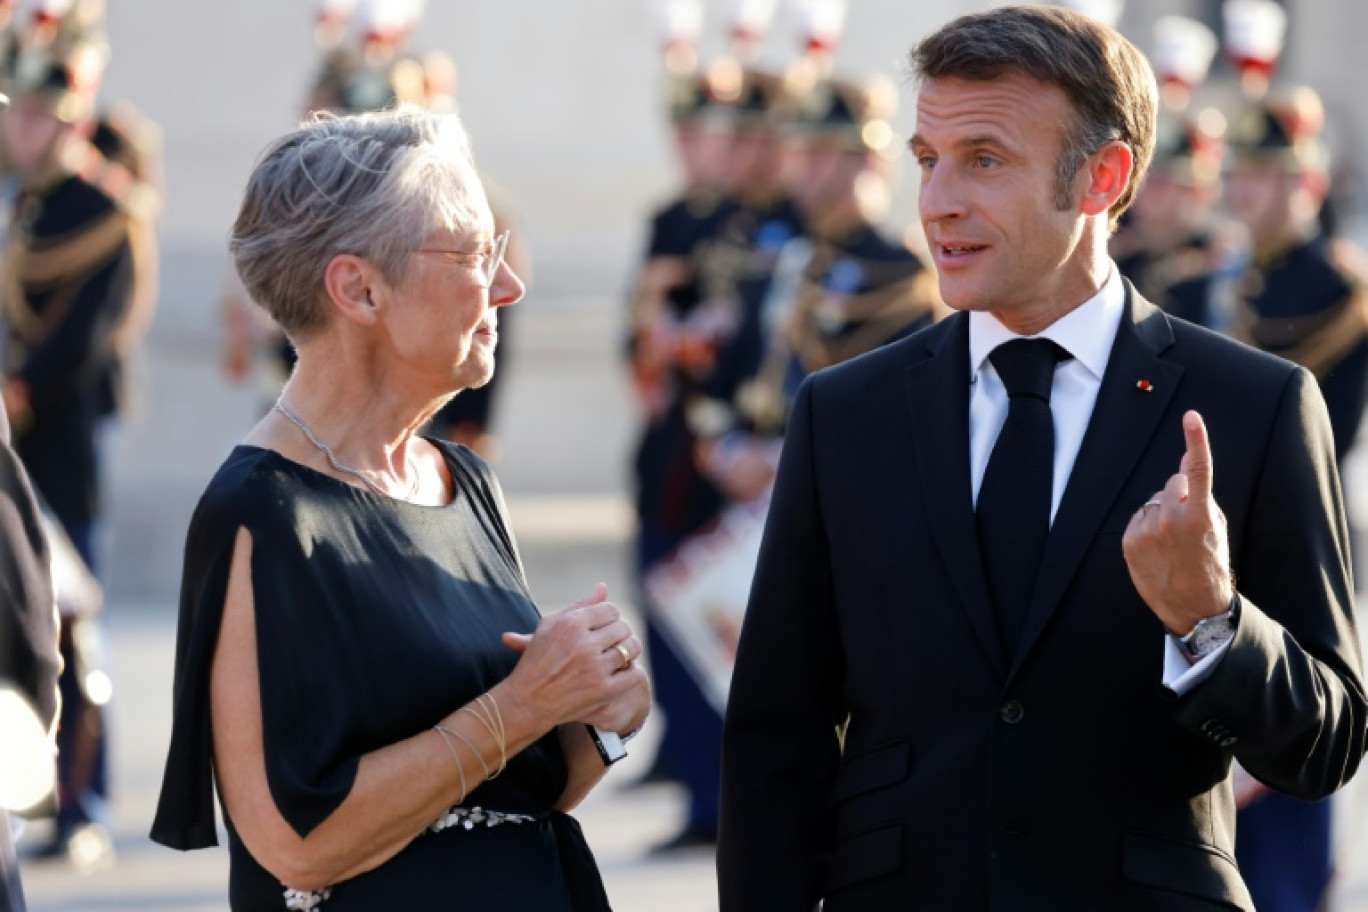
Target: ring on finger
column 626, row 656
column 1152, row 502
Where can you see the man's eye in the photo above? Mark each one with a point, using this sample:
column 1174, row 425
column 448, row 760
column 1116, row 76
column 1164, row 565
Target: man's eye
column 984, row 161
column 926, row 162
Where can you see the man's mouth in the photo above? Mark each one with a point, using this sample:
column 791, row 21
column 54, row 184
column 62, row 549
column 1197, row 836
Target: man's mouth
column 960, row 250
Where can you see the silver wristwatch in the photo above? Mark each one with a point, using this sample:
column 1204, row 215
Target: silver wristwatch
column 1209, row 635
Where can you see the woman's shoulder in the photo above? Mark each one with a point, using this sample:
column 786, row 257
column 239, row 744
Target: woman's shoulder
column 245, row 485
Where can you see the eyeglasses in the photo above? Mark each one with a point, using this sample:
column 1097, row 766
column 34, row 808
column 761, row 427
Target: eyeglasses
column 486, row 263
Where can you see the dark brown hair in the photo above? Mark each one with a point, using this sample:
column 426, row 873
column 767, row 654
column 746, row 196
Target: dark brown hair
column 1108, row 81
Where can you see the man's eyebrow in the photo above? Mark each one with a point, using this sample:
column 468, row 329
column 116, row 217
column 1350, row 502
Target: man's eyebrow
column 981, row 139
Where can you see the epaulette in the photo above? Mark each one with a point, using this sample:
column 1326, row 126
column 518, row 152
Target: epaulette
column 137, row 140
column 1318, row 341
column 134, row 197
column 1351, row 262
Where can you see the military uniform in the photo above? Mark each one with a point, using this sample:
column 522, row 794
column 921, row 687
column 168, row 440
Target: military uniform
column 858, row 291
column 76, row 291
column 695, row 340
column 671, row 353
column 1154, row 258
column 672, row 498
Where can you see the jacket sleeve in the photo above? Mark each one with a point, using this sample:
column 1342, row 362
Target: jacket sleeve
column 28, row 607
column 781, row 746
column 1288, row 698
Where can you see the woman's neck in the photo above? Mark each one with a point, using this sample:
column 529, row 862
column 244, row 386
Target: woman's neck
column 368, row 416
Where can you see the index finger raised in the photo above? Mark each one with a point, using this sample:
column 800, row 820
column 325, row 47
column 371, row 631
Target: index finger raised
column 1197, row 460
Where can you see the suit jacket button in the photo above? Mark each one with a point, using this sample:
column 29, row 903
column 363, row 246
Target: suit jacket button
column 1012, row 712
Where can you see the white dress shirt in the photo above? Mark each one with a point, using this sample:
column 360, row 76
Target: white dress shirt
column 1087, row 333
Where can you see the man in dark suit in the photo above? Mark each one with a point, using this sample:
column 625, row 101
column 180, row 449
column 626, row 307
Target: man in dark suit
column 1035, row 575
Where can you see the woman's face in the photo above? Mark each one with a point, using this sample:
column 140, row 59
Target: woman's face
column 445, row 322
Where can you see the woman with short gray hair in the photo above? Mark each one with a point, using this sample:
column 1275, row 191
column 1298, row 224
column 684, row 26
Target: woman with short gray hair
column 360, row 667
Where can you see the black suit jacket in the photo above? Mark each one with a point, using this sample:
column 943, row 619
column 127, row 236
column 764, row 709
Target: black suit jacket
column 883, row 751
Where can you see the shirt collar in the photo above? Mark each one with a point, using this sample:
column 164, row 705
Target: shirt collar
column 1086, row 332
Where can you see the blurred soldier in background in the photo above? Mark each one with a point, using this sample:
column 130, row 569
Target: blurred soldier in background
column 1167, row 235
column 668, row 358
column 839, row 292
column 1301, row 296
column 78, row 291
column 698, row 311
column 1171, row 235
column 737, row 266
column 829, row 294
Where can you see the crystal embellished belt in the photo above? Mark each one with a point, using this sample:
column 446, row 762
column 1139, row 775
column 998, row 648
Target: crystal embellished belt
column 465, row 818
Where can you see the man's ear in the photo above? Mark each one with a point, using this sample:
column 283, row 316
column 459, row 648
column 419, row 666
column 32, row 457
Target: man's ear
column 351, row 285
column 1109, row 172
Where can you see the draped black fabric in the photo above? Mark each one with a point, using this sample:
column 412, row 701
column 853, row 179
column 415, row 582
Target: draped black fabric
column 375, row 618
column 1013, row 510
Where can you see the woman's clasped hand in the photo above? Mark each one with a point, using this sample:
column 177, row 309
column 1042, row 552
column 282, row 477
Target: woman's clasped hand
column 580, row 666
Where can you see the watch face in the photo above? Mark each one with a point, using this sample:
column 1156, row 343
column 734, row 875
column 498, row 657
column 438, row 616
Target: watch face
column 1208, row 636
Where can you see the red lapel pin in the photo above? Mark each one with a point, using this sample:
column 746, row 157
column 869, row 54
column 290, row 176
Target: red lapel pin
column 1144, row 386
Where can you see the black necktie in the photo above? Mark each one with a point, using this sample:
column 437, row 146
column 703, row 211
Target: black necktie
column 1014, row 500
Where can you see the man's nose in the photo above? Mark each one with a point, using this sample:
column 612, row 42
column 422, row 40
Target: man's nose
column 941, row 195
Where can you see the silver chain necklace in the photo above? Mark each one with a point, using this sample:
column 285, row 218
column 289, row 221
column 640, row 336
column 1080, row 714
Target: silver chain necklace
column 337, row 464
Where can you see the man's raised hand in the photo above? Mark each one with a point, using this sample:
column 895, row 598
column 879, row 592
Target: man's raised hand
column 1176, row 545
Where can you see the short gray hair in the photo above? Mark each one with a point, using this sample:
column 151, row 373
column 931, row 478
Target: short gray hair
column 373, row 185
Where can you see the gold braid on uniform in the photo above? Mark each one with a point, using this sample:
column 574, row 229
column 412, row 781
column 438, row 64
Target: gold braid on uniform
column 1318, row 341
column 878, row 316
column 65, row 262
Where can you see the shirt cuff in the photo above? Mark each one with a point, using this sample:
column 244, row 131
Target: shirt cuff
column 1179, row 676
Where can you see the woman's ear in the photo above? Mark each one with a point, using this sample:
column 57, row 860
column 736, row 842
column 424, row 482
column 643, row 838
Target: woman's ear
column 350, row 283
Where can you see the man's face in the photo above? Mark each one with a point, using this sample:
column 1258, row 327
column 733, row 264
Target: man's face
column 1167, row 206
column 757, row 160
column 988, row 153
column 701, row 147
column 825, row 172
column 30, row 132
column 1263, row 196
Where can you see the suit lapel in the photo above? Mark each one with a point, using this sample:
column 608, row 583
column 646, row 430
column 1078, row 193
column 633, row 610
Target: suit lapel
column 1124, row 419
column 938, row 398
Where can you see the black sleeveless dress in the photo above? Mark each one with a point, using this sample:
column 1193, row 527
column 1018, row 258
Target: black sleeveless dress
column 375, row 618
